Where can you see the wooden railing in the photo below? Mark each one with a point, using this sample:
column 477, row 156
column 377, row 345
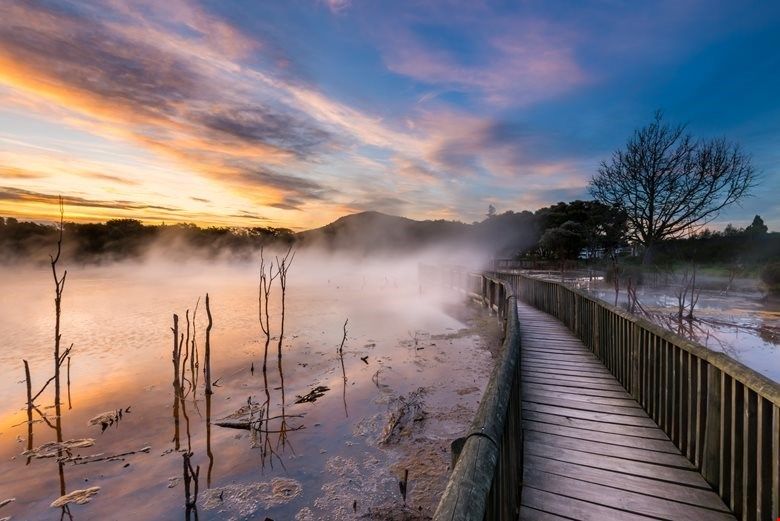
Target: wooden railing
column 722, row 415
column 487, row 462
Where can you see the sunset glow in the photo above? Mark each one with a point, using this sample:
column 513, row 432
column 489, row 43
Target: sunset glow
column 295, row 113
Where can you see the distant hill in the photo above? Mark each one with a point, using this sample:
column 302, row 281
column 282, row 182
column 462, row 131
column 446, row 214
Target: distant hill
column 374, row 231
column 369, row 232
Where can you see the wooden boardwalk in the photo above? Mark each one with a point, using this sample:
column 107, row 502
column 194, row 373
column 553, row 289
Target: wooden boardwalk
column 590, row 450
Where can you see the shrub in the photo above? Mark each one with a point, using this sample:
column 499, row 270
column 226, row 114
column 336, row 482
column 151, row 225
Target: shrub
column 770, row 276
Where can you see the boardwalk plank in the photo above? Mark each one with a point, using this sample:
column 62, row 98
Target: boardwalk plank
column 623, row 403
column 531, row 514
column 595, row 425
column 648, row 486
column 624, row 500
column 604, row 437
column 569, row 401
column 634, row 468
column 590, row 415
column 607, row 449
column 574, row 508
column 583, row 391
column 590, row 450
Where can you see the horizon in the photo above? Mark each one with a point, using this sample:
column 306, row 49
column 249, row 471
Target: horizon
column 51, row 222
column 294, row 115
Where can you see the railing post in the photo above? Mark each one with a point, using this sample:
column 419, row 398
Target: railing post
column 711, row 451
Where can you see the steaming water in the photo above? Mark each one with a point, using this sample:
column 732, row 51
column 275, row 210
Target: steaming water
column 119, row 320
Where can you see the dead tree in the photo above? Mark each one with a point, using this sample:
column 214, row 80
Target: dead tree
column 207, row 353
column 343, row 370
column 282, row 267
column 687, row 295
column 264, row 297
column 176, row 385
column 190, row 486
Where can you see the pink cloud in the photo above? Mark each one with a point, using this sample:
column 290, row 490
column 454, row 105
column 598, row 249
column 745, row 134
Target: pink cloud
column 525, row 62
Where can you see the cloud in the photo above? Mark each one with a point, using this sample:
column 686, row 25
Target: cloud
column 386, row 204
column 259, row 124
column 11, row 172
column 337, row 6
column 18, row 194
column 163, row 92
column 522, row 62
column 204, row 103
column 110, row 178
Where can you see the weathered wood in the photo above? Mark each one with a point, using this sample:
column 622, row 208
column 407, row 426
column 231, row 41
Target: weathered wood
column 709, row 405
column 710, row 464
column 580, row 390
column 634, row 468
column 607, row 449
column 662, row 445
column 622, row 481
column 572, row 508
column 775, row 462
column 629, row 501
column 596, row 426
column 531, row 514
column 567, row 434
column 750, row 436
column 618, row 403
column 588, row 441
column 486, row 477
column 616, row 419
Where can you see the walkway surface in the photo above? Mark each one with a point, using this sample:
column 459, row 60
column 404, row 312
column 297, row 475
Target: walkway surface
column 591, row 452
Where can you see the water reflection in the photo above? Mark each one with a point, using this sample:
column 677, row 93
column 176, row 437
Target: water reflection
column 184, row 351
column 343, row 370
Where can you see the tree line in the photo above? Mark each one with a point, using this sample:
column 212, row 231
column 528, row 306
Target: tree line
column 121, row 239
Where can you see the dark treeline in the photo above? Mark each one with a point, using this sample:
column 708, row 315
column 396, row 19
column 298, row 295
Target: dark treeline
column 122, row 239
column 734, row 247
column 564, row 231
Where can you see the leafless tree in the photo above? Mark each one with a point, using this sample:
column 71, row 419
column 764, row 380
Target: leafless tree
column 687, row 295
column 282, row 266
column 668, row 183
column 207, row 352
column 263, row 300
column 340, row 352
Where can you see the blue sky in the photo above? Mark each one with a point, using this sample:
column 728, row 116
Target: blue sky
column 295, row 113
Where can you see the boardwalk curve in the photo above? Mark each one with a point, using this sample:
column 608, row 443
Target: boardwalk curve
column 590, row 451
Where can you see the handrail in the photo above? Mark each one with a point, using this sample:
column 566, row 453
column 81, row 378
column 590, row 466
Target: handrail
column 723, row 416
column 487, row 470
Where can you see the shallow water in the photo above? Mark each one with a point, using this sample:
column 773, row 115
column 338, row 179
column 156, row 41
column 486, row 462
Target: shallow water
column 328, row 463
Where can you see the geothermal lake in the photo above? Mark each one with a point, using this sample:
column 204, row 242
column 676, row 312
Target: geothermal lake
column 337, row 457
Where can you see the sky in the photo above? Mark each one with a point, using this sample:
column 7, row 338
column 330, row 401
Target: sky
column 294, row 113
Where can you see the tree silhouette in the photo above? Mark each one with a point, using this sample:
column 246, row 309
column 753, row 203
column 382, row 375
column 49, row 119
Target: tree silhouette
column 667, row 182
column 757, row 227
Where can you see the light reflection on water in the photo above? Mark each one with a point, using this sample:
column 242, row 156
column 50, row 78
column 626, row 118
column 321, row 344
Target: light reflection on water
column 119, row 321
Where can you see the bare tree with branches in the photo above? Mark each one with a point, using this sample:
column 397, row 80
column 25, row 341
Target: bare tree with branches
column 668, row 183
column 263, row 300
column 282, row 266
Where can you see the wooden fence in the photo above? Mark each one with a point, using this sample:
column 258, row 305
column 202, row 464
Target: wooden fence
column 722, row 415
column 487, row 463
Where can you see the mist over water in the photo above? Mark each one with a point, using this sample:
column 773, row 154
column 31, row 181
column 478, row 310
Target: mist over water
column 118, row 317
